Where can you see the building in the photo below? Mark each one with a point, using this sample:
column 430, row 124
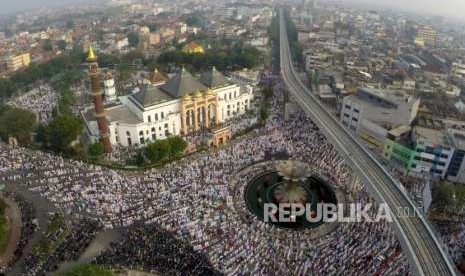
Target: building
column 458, row 70
column 438, row 153
column 370, row 113
column 426, row 36
column 193, row 48
column 180, row 105
column 154, row 39
column 15, row 63
column 456, row 168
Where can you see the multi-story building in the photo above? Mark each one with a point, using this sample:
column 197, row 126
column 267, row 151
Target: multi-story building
column 456, row 169
column 370, row 113
column 426, row 36
column 427, row 151
column 15, row 63
column 180, row 105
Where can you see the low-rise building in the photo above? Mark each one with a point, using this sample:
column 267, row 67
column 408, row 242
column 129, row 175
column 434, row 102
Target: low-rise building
column 17, row 62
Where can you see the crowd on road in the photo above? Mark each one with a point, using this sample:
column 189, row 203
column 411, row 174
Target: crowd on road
column 196, row 199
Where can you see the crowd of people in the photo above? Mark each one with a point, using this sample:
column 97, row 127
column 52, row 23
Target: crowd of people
column 152, row 249
column 40, row 100
column 27, row 228
column 61, row 248
column 199, row 200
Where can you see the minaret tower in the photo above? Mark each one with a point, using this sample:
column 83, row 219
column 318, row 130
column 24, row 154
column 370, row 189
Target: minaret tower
column 96, row 94
column 109, row 87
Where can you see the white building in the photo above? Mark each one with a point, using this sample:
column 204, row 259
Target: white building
column 176, row 106
column 370, row 114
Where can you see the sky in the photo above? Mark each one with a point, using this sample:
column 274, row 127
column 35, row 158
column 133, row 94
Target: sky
column 448, row 8
column 8, row 6
column 453, row 8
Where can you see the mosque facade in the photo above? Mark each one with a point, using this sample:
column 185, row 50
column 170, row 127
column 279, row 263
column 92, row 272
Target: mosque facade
column 180, row 105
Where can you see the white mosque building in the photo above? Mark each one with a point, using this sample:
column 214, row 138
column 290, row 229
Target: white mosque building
column 179, row 105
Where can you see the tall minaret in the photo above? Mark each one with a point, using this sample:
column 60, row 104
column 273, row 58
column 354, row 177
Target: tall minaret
column 96, row 94
column 109, row 87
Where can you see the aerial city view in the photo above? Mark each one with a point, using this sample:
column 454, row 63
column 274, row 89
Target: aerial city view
column 231, row 137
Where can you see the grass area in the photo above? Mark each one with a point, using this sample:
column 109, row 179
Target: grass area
column 87, row 270
column 4, row 227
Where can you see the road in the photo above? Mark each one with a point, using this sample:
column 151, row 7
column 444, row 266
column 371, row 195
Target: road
column 418, row 241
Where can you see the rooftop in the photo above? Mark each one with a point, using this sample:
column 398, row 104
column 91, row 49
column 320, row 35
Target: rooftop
column 214, row 79
column 151, row 95
column 182, row 84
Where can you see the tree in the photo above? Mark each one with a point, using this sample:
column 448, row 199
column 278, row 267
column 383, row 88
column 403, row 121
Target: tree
column 152, row 27
column 158, row 151
column 194, row 20
column 4, row 227
column 443, row 193
column 61, row 45
column 268, row 92
column 177, row 145
column 7, row 88
column 62, row 131
column 96, row 150
column 133, row 39
column 17, row 123
column 48, row 46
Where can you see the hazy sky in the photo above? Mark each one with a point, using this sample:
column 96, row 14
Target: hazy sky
column 7, row 6
column 455, row 8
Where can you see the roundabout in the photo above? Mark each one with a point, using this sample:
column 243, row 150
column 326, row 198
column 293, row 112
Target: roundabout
column 286, row 183
column 289, row 184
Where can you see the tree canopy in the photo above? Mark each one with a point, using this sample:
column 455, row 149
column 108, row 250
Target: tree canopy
column 237, row 58
column 133, row 39
column 450, row 197
column 61, row 132
column 96, row 149
column 17, row 123
column 193, row 20
column 4, row 235
column 48, row 46
column 7, row 88
column 163, row 149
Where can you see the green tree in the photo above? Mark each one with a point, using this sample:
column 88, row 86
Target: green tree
column 17, row 123
column 152, row 27
column 48, row 46
column 443, row 193
column 268, row 92
column 158, row 151
column 194, row 20
column 177, row 145
column 62, row 131
column 133, row 39
column 7, row 88
column 96, row 150
column 61, row 45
